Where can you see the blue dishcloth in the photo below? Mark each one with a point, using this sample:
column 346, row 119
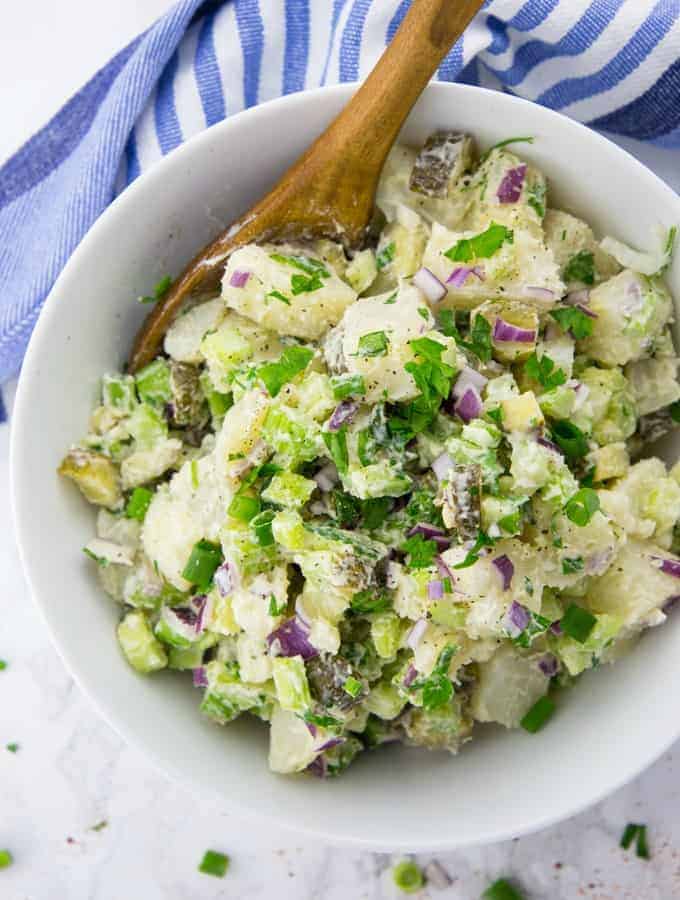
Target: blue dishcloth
column 611, row 63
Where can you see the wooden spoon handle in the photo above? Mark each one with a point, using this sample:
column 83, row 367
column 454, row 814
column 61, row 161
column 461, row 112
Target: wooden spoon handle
column 329, row 191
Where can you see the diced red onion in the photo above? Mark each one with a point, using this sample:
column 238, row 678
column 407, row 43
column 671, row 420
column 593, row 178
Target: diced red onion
column 410, row 677
column 327, row 478
column 539, row 293
column 505, row 567
column 431, row 533
column 291, row 638
column 470, row 405
column 669, row 566
column 330, row 743
column 578, row 298
column 435, row 589
column 342, row 414
column 437, row 876
column 556, row 628
column 549, row 665
column 468, row 377
column 200, row 603
column 312, row 729
column 416, row 633
column 225, row 579
column 544, row 442
column 510, row 188
column 442, row 466
column 479, row 272
column 459, row 276
column 318, row 767
column 430, row 285
column 200, row 679
column 516, row 619
column 239, row 278
column 506, row 332
column 443, row 569
column 586, row 311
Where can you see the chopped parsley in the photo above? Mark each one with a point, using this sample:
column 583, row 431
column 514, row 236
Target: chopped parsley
column 274, row 608
column 305, row 284
column 674, row 411
column 501, row 890
column 277, row 295
column 159, row 291
column 637, row 833
column 323, row 721
column 385, row 256
column 336, row 441
column 542, row 369
column 13, row 747
column 538, row 715
column 408, row 877
column 424, row 313
column 574, row 320
column 214, row 863
column 374, row 511
column 483, row 540
column 6, row 859
column 569, row 438
column 479, row 337
column 580, row 267
column 537, row 625
column 293, row 360
column 582, row 506
column 482, row 245
column 536, row 198
column 391, row 299
column 669, row 247
column 437, row 687
column 370, row 600
column 306, row 264
column 347, row 386
column 100, row 826
column 577, row 623
column 513, row 140
column 347, row 509
column 375, row 343
column 572, row 564
column 431, row 375
column 421, row 552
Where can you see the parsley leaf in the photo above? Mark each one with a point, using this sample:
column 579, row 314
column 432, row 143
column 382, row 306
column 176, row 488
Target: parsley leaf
column 385, row 256
column 277, row 295
column 575, row 320
column 421, row 552
column 581, row 267
column 347, row 386
column 336, row 441
column 274, row 608
column 374, row 511
column 542, row 369
column 536, row 198
column 581, row 508
column 159, row 291
column 483, row 540
column 573, row 564
column 305, row 284
column 481, row 246
column 505, row 143
column 369, row 601
column 293, row 360
column 570, row 439
column 447, row 324
column 437, row 688
column 479, row 341
column 375, row 343
column 305, row 263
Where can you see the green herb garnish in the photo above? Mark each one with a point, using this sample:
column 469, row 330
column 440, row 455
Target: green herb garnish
column 370, row 601
column 262, row 526
column 13, row 747
column 580, row 267
column 293, row 360
column 374, row 511
column 347, row 509
column 138, row 503
column 437, row 687
column 277, row 295
column 574, row 320
column 483, row 540
column 577, row 623
column 505, row 143
column 274, row 608
column 6, row 859
column 214, row 863
column 421, row 552
column 502, row 890
column 305, row 284
column 536, row 198
column 542, row 369
column 637, row 833
column 336, row 441
column 306, row 264
column 375, row 343
column 408, row 877
column 582, row 506
column 538, row 715
column 572, row 564
column 205, row 557
column 244, row 507
column 159, row 291
column 347, row 386
column 481, row 246
column 570, row 439
column 352, row 686
column 385, row 256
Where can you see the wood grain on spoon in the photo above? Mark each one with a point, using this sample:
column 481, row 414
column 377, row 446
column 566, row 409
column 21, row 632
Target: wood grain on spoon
column 329, row 191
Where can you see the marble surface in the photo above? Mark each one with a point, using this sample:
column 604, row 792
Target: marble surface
column 88, row 818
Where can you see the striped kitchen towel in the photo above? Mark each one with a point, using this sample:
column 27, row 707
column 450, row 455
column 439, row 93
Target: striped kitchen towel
column 611, row 63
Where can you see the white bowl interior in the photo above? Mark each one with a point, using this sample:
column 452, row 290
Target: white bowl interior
column 611, row 725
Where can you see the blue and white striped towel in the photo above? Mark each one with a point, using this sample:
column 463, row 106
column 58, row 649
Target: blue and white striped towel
column 611, row 63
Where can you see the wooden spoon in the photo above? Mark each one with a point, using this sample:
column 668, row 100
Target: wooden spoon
column 329, row 192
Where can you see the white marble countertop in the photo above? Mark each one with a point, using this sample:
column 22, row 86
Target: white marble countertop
column 72, row 772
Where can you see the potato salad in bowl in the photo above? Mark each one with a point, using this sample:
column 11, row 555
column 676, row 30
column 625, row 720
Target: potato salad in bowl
column 388, row 495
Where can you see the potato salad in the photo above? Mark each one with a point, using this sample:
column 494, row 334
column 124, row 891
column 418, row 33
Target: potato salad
column 390, row 494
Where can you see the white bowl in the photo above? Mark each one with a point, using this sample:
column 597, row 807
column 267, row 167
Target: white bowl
column 616, row 720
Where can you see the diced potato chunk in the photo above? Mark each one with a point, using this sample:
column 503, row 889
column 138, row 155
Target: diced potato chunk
column 522, row 413
column 507, row 688
column 611, row 461
column 183, row 340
